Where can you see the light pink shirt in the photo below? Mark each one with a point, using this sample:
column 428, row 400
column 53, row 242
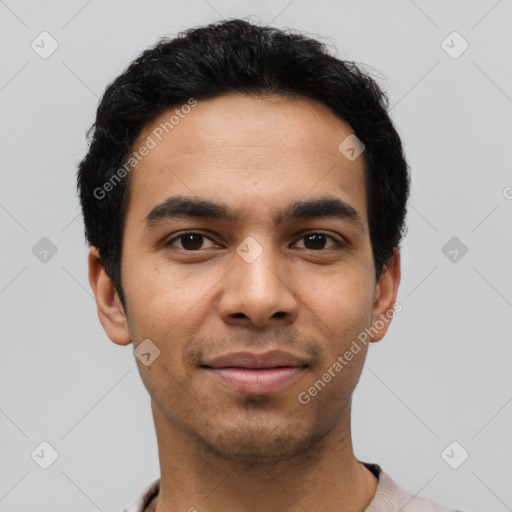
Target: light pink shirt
column 388, row 497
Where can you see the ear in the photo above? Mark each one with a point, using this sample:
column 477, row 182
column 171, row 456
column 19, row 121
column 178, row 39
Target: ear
column 385, row 297
column 110, row 310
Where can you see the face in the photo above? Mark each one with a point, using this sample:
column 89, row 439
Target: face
column 247, row 230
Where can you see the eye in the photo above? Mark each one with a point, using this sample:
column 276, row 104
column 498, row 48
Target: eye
column 317, row 241
column 190, row 241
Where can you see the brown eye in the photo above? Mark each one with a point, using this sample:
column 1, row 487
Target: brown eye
column 189, row 241
column 317, row 241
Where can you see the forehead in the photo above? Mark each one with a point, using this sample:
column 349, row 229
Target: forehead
column 252, row 152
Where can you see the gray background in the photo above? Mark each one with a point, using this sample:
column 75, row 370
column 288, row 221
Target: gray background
column 441, row 374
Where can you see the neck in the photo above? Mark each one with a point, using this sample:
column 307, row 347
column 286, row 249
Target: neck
column 325, row 476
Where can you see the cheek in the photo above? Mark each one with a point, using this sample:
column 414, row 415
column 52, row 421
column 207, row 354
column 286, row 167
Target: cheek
column 170, row 307
column 340, row 311
column 158, row 301
column 341, row 301
column 161, row 304
column 163, row 289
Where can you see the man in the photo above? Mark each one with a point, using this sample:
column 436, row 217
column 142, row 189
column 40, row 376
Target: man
column 244, row 195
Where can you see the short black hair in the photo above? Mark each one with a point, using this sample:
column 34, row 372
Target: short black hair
column 230, row 56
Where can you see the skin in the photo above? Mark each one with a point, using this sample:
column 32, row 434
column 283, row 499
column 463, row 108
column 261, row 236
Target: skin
column 220, row 449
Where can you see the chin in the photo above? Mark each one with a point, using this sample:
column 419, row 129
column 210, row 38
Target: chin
column 270, row 442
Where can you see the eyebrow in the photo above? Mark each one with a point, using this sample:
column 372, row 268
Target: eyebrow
column 190, row 207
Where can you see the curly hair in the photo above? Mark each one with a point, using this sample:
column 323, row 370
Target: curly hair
column 238, row 56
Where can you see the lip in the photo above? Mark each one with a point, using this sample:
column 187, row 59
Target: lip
column 248, row 372
column 269, row 359
column 257, row 380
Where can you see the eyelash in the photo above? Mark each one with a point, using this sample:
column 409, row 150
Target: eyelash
column 339, row 245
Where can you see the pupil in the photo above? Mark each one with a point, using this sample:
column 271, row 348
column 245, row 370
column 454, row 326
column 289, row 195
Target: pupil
column 191, row 238
column 318, row 240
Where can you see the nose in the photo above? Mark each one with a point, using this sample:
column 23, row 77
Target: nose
column 258, row 293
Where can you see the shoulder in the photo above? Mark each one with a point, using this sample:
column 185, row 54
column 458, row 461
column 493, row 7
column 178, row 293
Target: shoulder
column 410, row 503
column 391, row 498
column 144, row 498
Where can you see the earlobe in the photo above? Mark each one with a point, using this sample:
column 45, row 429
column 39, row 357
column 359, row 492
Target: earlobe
column 110, row 310
column 385, row 297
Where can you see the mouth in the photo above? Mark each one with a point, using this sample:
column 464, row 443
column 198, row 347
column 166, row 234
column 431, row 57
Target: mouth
column 256, row 380
column 248, row 372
